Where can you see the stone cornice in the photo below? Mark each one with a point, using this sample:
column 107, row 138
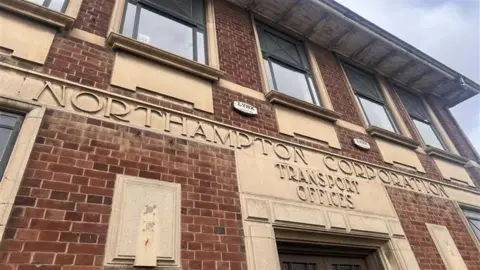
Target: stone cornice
column 276, row 97
column 393, row 137
column 117, row 41
column 436, row 152
column 39, row 13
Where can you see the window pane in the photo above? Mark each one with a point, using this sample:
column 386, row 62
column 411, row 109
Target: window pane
column 4, row 139
column 129, row 20
column 7, row 120
column 268, row 71
column 413, row 104
column 363, row 83
column 57, row 5
column 472, row 214
column 475, row 225
column 291, row 82
column 200, row 48
column 165, row 33
column 428, row 134
column 376, row 114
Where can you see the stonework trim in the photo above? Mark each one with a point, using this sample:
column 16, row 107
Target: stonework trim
column 390, row 253
column 276, row 97
column 397, row 154
column 318, row 79
column 393, row 137
column 94, row 90
column 212, row 48
column 258, row 51
column 397, row 118
column 87, row 36
column 241, row 89
column 44, row 14
column 34, row 42
column 134, row 73
column 118, row 41
column 446, row 247
column 15, row 169
column 453, row 171
column 351, row 126
column 296, row 123
column 117, row 253
column 435, row 152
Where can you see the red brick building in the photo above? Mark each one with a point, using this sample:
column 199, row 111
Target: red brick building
column 214, row 134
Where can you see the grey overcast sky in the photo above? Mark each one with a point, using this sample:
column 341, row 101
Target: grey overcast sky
column 447, row 30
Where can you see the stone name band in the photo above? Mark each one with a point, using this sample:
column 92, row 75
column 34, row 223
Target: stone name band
column 99, row 103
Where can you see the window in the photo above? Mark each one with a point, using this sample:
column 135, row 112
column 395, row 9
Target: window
column 370, row 98
column 415, row 108
column 176, row 26
column 473, row 218
column 9, row 127
column 286, row 65
column 57, row 5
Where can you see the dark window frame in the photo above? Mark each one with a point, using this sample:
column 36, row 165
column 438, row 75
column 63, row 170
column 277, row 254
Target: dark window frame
column 46, row 3
column 301, row 49
column 158, row 9
column 377, row 101
column 427, row 121
column 11, row 141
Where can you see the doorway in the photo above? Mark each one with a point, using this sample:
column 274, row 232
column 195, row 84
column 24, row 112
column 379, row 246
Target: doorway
column 299, row 262
column 301, row 256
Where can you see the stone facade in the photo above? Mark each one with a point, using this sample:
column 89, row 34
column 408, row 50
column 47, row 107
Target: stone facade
column 245, row 184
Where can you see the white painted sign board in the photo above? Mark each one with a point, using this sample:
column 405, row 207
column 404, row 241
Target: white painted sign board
column 245, row 108
column 361, row 144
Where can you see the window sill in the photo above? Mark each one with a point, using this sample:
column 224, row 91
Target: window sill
column 436, row 152
column 39, row 13
column 275, row 97
column 393, row 137
column 117, row 41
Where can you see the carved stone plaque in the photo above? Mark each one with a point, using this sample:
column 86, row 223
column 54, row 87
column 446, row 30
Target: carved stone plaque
column 446, row 247
column 144, row 228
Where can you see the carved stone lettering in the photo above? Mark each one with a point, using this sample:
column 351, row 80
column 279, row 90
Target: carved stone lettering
column 60, row 99
column 118, row 115
column 81, row 106
column 116, row 108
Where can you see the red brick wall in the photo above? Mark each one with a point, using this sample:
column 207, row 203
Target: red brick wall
column 94, row 16
column 236, row 45
column 414, row 210
column 79, row 61
column 60, row 216
column 265, row 122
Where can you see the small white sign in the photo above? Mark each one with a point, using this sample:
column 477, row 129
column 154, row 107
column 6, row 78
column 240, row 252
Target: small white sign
column 361, row 144
column 245, row 108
